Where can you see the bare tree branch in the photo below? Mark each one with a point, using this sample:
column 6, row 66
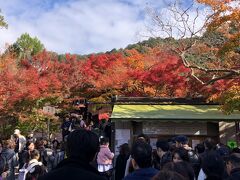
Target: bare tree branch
column 176, row 21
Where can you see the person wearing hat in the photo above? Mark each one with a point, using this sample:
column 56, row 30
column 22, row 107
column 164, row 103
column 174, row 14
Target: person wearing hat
column 20, row 142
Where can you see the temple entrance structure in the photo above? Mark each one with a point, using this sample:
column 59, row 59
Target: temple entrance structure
column 168, row 119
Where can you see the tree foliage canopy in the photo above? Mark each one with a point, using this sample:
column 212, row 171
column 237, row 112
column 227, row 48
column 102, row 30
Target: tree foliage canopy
column 26, row 46
column 193, row 65
column 2, row 21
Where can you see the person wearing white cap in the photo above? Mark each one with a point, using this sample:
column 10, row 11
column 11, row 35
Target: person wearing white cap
column 20, row 141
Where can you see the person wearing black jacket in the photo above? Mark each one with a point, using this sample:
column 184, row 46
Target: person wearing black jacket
column 194, row 159
column 163, row 152
column 66, row 127
column 10, row 158
column 121, row 161
column 212, row 166
column 233, row 166
column 82, row 147
column 142, row 162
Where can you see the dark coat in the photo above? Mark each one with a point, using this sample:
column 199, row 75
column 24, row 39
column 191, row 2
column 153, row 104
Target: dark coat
column 120, row 166
column 142, row 174
column 195, row 161
column 72, row 169
column 11, row 160
column 167, row 157
column 235, row 174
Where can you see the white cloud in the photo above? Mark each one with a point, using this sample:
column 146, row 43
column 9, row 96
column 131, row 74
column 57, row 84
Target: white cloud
column 77, row 26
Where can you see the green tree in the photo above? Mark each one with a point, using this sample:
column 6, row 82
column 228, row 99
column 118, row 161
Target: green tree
column 26, row 46
column 2, row 21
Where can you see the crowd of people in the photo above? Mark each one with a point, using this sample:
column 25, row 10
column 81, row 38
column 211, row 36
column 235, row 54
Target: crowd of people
column 28, row 157
column 176, row 160
column 75, row 121
column 85, row 155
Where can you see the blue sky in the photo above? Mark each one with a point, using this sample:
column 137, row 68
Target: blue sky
column 78, row 26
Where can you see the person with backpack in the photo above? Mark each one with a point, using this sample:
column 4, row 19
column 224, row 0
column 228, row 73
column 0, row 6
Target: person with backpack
column 9, row 157
column 57, row 155
column 33, row 169
column 20, row 143
column 43, row 151
column 194, row 159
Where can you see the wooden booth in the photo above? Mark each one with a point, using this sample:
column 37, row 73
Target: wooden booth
column 165, row 121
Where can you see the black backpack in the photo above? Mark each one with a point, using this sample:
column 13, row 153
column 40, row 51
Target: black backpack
column 193, row 157
column 195, row 161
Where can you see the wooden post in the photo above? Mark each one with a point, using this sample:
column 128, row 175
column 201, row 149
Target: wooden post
column 237, row 135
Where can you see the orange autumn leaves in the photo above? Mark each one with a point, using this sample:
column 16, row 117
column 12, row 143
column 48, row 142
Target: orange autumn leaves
column 45, row 76
column 99, row 76
column 225, row 19
column 154, row 73
column 26, row 80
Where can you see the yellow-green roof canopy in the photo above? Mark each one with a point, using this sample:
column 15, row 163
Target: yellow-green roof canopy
column 171, row 112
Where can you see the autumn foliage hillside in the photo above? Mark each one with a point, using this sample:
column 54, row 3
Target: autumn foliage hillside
column 98, row 76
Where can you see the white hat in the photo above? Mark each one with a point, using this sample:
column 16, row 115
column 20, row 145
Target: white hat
column 16, row 131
